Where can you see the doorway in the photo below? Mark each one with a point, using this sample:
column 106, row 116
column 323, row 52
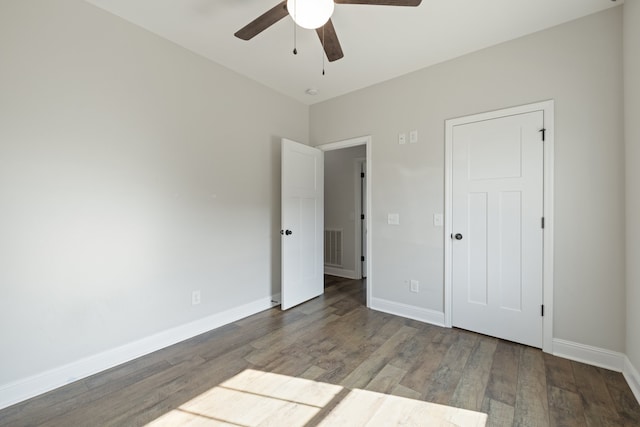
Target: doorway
column 359, row 206
column 498, row 231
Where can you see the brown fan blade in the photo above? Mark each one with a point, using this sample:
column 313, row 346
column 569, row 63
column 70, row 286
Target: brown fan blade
column 329, row 39
column 413, row 3
column 263, row 22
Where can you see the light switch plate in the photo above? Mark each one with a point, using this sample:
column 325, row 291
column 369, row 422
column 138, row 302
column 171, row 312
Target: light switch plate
column 393, row 219
column 413, row 136
column 438, row 220
column 402, row 138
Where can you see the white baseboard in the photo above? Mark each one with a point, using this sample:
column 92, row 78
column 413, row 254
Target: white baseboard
column 633, row 377
column 339, row 272
column 409, row 311
column 595, row 356
column 27, row 388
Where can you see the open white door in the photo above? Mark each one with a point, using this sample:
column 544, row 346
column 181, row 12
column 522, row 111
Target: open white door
column 302, row 223
column 363, row 220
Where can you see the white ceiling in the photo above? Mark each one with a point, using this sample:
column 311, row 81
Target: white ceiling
column 379, row 42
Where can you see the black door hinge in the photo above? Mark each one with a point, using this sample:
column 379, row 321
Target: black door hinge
column 362, row 216
column 542, row 310
column 544, row 131
column 361, row 174
column 362, row 258
column 542, row 222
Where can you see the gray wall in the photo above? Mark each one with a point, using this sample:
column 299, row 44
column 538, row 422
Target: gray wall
column 579, row 65
column 339, row 198
column 128, row 178
column 632, row 139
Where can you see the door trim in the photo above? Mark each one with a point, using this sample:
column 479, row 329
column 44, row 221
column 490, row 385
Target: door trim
column 547, row 107
column 353, row 142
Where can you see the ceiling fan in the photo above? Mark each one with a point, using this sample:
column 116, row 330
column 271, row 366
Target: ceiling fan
column 324, row 27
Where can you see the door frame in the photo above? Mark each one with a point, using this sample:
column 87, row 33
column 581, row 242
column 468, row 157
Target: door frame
column 353, row 142
column 547, row 107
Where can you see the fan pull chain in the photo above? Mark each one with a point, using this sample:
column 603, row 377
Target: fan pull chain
column 295, row 50
column 295, row 42
column 323, row 49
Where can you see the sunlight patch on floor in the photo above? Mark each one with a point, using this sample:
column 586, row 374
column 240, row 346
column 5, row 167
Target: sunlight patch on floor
column 368, row 408
column 255, row 398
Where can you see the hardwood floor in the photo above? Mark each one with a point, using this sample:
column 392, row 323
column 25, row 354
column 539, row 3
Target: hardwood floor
column 335, row 339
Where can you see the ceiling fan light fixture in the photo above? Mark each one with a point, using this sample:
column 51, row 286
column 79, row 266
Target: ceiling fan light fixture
column 310, row 14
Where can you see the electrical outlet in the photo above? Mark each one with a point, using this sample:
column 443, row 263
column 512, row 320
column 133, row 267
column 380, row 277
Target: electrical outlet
column 402, row 138
column 195, row 297
column 415, row 286
column 438, row 220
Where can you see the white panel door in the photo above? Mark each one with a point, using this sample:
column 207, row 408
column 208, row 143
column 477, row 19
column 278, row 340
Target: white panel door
column 363, row 221
column 302, row 223
column 497, row 209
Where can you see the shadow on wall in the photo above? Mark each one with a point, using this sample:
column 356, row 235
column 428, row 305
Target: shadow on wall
column 275, row 212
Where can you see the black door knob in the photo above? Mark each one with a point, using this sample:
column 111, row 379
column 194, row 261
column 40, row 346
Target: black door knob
column 458, row 236
column 288, row 232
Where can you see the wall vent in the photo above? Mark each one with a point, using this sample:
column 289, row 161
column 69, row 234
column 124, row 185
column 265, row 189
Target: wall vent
column 333, row 247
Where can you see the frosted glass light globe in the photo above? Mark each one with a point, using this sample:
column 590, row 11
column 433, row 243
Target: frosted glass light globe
column 310, row 14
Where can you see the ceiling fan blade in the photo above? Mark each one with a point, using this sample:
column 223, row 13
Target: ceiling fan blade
column 263, row 22
column 329, row 39
column 413, row 3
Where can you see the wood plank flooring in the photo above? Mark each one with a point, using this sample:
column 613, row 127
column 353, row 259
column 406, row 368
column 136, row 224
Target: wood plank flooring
column 336, row 340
